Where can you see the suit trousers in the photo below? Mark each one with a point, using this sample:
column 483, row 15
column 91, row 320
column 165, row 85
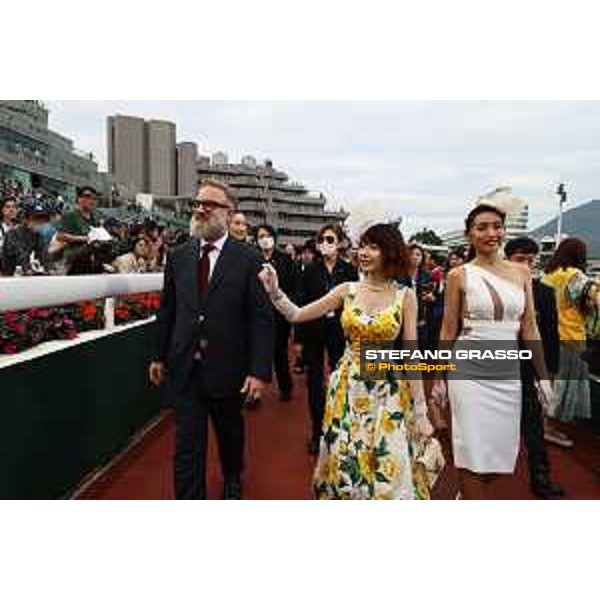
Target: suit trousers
column 314, row 356
column 193, row 408
column 280, row 355
column 532, row 425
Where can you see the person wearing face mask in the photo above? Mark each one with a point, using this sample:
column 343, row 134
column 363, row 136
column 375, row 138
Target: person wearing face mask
column 266, row 238
column 24, row 244
column 318, row 278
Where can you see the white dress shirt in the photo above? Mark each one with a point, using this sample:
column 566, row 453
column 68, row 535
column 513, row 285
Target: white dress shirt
column 213, row 256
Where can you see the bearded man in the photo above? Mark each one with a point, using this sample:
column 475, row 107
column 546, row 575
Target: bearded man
column 214, row 342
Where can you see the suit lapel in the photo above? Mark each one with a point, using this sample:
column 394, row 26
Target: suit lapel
column 190, row 274
column 224, row 263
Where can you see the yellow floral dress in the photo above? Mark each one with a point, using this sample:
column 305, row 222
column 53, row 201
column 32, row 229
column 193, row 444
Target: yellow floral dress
column 368, row 445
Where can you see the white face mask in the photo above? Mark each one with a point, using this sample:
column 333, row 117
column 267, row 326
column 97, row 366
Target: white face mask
column 328, row 249
column 266, row 243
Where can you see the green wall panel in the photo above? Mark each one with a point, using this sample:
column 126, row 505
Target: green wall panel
column 68, row 413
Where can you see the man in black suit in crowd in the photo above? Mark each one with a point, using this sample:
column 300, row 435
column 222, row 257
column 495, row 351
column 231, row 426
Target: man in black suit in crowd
column 523, row 251
column 214, row 342
column 266, row 239
column 317, row 279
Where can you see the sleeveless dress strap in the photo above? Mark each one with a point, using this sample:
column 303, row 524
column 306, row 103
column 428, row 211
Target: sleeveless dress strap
column 401, row 291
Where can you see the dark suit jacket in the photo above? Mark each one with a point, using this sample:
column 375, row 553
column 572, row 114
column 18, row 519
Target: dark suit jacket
column 423, row 281
column 547, row 321
column 313, row 284
column 234, row 319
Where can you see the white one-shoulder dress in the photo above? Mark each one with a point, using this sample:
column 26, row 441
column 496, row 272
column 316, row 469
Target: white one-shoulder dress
column 486, row 413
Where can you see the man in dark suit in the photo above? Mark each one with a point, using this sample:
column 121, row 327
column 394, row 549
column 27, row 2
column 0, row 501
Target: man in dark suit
column 214, row 342
column 523, row 251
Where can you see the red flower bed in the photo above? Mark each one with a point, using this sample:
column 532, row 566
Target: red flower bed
column 20, row 330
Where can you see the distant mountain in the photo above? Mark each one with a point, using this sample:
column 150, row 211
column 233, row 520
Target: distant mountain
column 583, row 221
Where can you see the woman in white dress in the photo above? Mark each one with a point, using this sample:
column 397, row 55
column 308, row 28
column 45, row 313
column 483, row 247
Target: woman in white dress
column 488, row 299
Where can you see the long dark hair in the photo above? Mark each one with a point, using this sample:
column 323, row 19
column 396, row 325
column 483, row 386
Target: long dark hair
column 571, row 252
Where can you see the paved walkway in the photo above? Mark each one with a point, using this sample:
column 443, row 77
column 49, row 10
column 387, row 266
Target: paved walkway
column 279, row 467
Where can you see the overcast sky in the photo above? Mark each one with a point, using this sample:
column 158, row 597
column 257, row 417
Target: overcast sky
column 426, row 161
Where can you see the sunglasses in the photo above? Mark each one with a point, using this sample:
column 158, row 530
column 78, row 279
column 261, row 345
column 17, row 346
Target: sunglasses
column 207, row 205
column 328, row 239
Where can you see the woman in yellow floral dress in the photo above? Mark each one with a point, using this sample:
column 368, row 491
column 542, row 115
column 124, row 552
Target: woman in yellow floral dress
column 371, row 429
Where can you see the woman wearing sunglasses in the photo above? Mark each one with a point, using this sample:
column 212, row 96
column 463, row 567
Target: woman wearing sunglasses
column 318, row 278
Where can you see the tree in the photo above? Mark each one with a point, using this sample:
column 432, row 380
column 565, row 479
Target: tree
column 427, row 237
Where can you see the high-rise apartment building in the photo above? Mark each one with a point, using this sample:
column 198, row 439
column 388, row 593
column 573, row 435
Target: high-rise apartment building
column 126, row 142
column 142, row 155
column 161, row 148
column 187, row 179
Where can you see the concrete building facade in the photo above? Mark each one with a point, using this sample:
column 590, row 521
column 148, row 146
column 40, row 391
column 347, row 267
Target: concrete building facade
column 161, row 148
column 39, row 158
column 142, row 155
column 126, row 143
column 266, row 195
column 187, row 180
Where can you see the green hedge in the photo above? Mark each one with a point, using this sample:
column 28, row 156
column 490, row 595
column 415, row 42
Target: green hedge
column 69, row 412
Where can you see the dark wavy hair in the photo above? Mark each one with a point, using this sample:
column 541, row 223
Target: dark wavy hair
column 479, row 209
column 571, row 252
column 390, row 242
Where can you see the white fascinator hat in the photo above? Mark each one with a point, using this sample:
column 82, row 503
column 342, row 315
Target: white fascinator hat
column 502, row 199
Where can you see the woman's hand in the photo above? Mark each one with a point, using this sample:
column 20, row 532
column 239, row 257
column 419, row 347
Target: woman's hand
column 269, row 279
column 424, row 427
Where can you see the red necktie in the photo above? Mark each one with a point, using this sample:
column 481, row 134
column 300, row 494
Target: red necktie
column 204, row 267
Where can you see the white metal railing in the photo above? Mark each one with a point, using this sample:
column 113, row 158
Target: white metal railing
column 21, row 293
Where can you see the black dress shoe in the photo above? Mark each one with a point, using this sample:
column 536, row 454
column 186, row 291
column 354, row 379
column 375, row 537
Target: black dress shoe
column 547, row 489
column 232, row 490
column 252, row 403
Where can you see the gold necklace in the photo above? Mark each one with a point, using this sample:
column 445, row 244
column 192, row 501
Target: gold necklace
column 374, row 288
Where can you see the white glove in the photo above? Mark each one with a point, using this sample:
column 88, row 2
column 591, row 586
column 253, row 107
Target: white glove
column 282, row 303
column 424, row 426
column 269, row 279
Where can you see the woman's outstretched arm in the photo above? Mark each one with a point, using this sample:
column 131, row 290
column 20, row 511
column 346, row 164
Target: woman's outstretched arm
column 295, row 314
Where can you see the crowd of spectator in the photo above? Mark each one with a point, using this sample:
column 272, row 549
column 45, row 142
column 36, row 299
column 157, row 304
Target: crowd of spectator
column 40, row 234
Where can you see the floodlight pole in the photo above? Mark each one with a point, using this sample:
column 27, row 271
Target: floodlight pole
column 562, row 198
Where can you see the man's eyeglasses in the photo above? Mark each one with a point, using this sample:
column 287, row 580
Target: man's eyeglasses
column 328, row 239
column 207, row 205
